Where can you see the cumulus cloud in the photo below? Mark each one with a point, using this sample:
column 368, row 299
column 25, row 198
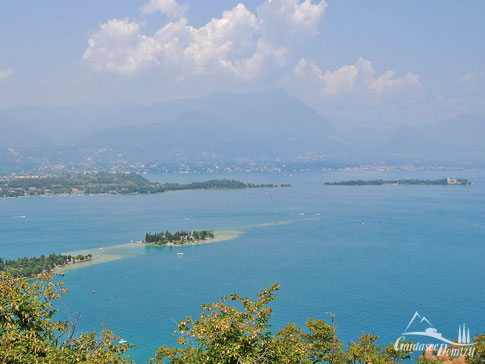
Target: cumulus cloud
column 4, row 74
column 290, row 17
column 239, row 43
column 387, row 81
column 120, row 47
column 241, row 49
column 473, row 76
column 357, row 77
column 166, row 7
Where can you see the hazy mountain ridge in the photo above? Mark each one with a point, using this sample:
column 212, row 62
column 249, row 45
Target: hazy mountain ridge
column 265, row 125
column 458, row 138
column 63, row 125
column 18, row 134
column 269, row 124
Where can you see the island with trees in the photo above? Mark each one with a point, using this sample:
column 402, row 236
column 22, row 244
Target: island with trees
column 178, row 238
column 107, row 183
column 420, row 182
column 34, row 266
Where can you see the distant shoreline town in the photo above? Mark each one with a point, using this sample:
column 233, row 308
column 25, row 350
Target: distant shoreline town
column 228, row 168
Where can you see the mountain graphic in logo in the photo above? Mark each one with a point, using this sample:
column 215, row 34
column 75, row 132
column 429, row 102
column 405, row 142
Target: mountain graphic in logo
column 418, row 323
column 421, row 326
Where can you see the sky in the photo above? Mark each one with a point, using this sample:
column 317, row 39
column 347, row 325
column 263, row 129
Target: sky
column 401, row 61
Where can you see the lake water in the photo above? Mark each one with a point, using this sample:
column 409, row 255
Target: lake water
column 374, row 254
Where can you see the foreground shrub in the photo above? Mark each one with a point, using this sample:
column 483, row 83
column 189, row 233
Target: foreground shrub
column 29, row 333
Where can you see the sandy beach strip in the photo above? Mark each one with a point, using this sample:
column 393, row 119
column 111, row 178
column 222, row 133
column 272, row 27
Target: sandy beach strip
column 135, row 249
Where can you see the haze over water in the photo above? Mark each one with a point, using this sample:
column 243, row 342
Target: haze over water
column 373, row 254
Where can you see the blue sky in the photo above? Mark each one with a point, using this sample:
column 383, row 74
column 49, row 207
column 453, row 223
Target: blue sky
column 412, row 61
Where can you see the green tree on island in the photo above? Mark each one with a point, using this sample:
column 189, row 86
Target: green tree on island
column 33, row 266
column 179, row 237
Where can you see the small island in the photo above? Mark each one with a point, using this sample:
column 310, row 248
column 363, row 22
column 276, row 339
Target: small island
column 178, row 238
column 107, row 183
column 420, row 182
column 34, row 266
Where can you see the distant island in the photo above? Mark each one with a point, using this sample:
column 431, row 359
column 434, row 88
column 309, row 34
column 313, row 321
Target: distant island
column 32, row 267
column 378, row 182
column 106, row 183
column 178, row 238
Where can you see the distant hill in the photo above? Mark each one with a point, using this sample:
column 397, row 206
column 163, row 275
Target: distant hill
column 458, row 138
column 17, row 134
column 268, row 124
column 64, row 125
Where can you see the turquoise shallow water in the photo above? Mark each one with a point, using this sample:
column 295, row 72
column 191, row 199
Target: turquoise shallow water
column 375, row 255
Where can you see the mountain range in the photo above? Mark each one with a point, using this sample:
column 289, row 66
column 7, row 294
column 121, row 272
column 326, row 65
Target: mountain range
column 269, row 125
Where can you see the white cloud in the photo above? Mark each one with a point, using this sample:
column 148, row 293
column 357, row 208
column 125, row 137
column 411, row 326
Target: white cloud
column 284, row 17
column 224, row 44
column 387, row 82
column 120, row 47
column 336, row 82
column 4, row 74
column 359, row 77
column 167, row 7
column 239, row 43
column 243, row 49
column 473, row 76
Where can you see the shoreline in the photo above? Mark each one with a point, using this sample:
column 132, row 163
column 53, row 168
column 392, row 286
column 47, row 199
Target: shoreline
column 133, row 193
column 219, row 235
column 135, row 249
column 104, row 255
column 138, row 248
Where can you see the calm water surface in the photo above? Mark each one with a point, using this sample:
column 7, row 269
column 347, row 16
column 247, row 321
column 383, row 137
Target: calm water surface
column 375, row 255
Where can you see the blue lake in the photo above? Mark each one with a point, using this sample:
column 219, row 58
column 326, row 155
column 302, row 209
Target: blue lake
column 374, row 254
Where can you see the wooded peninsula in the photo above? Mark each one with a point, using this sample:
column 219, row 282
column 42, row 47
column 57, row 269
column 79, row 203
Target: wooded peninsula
column 106, row 183
column 31, row 267
column 179, row 237
column 379, row 182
